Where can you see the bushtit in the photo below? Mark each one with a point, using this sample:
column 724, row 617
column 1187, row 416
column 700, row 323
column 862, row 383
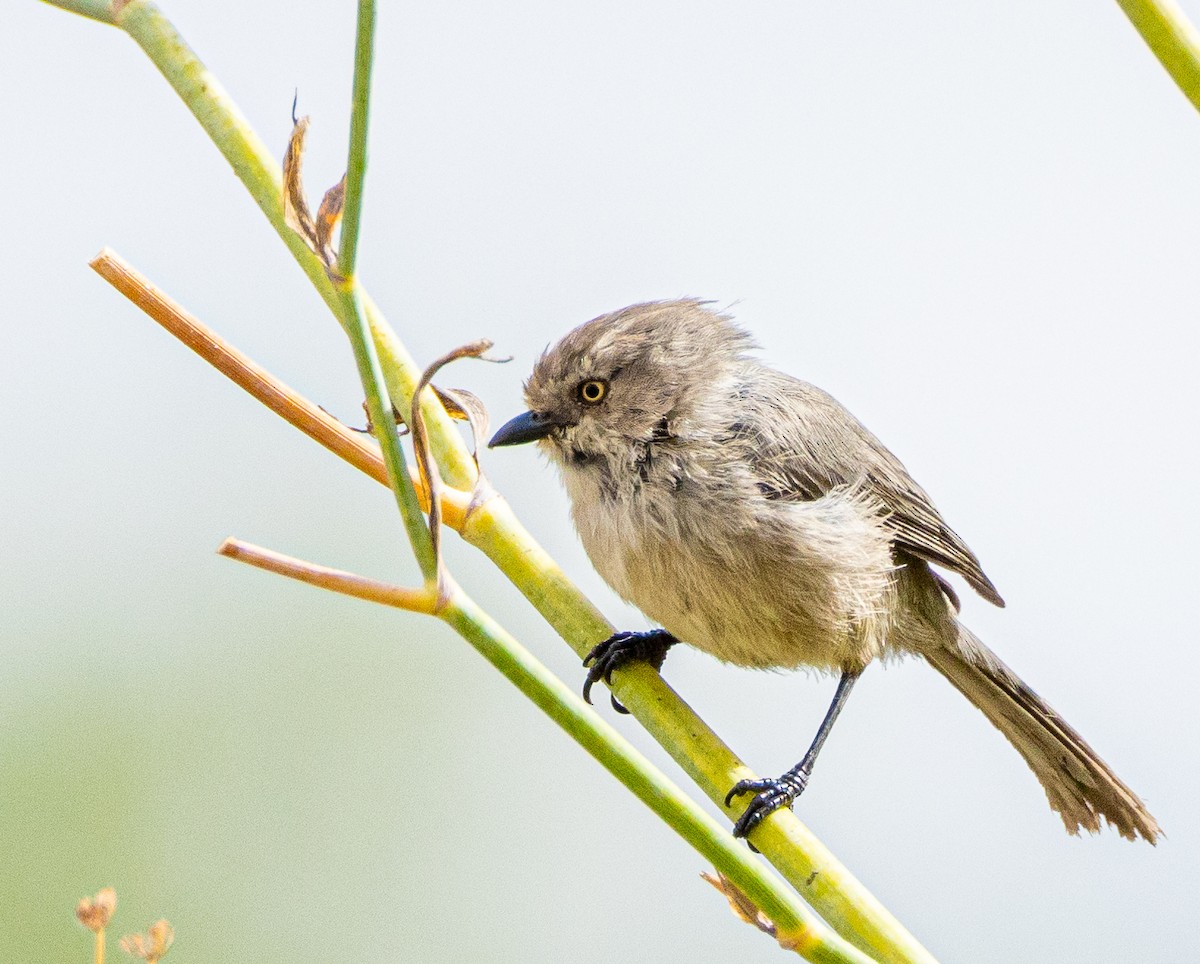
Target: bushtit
column 751, row 516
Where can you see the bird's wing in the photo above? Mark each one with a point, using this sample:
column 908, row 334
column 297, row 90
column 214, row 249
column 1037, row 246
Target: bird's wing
column 801, row 443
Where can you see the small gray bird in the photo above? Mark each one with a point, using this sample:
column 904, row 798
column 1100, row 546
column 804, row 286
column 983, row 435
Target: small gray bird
column 751, row 516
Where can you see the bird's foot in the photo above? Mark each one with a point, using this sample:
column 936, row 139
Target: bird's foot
column 620, row 650
column 769, row 795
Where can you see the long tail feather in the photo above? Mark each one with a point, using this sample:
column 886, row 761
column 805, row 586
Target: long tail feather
column 1079, row 785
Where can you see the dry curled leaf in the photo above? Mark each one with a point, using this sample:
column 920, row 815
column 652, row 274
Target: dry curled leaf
column 295, row 205
column 467, row 407
column 318, row 233
column 329, row 214
column 94, row 913
column 459, row 404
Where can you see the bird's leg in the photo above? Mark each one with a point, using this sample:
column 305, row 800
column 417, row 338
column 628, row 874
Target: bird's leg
column 620, row 650
column 771, row 794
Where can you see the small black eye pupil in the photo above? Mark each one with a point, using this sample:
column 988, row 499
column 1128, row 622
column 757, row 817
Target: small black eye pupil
column 592, row 391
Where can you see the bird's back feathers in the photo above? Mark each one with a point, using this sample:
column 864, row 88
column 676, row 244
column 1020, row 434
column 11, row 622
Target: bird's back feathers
column 810, row 444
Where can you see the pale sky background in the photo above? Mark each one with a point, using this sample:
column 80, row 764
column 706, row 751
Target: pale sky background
column 976, row 224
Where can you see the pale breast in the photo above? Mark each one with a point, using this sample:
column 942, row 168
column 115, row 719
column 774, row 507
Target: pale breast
column 757, row 582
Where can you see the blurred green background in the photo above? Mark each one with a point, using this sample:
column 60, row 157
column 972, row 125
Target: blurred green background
column 974, row 224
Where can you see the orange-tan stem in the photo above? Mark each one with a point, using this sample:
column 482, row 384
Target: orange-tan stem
column 337, row 580
column 354, row 447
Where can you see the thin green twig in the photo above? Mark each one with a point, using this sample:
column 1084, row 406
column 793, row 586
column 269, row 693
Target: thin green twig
column 364, row 57
column 370, row 372
column 380, row 410
column 1173, row 39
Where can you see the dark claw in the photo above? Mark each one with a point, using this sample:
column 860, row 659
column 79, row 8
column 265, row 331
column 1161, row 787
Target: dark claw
column 606, row 657
column 619, row 650
column 770, row 795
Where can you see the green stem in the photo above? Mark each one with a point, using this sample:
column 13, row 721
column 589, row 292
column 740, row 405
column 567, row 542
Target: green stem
column 379, row 408
column 1172, row 38
column 356, row 169
column 812, row 938
column 370, row 372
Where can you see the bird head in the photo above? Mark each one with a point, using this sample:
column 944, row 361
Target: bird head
column 625, row 378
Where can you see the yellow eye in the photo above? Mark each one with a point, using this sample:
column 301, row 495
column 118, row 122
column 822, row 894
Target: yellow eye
column 592, row 391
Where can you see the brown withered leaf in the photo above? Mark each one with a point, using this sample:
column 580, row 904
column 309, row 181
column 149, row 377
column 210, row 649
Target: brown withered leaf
column 328, row 216
column 469, row 408
column 464, row 405
column 449, row 403
column 317, row 234
column 295, row 205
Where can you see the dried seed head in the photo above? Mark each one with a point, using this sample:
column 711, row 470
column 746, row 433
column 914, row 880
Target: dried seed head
column 152, row 945
column 94, row 913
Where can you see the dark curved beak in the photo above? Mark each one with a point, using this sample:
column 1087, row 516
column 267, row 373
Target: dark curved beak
column 528, row 427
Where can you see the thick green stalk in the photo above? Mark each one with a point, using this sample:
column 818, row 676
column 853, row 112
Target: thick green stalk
column 796, row 926
column 783, row 839
column 1173, row 39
